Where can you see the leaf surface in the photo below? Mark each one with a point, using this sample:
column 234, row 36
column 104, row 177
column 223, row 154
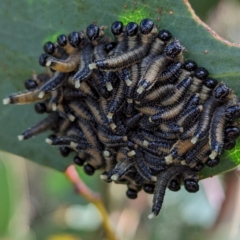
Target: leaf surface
column 27, row 25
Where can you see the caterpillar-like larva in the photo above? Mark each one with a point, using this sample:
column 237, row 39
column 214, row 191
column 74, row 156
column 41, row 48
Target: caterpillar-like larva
column 132, row 107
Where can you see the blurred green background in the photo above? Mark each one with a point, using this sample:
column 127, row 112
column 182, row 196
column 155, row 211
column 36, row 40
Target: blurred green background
column 38, row 203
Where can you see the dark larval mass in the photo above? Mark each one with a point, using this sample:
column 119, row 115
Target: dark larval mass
column 132, row 107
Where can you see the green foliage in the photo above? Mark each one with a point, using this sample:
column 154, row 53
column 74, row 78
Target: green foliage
column 26, row 25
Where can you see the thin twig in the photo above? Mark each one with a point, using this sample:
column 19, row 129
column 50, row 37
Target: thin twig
column 91, row 197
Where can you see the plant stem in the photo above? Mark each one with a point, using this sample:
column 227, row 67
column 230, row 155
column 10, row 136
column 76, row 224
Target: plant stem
column 91, row 197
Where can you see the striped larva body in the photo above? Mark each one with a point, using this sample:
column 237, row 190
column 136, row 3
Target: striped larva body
column 117, row 100
column 97, row 113
column 147, row 30
column 221, row 94
column 24, row 97
column 178, row 150
column 81, row 111
column 89, row 133
column 158, row 64
column 156, row 94
column 111, row 140
column 188, row 69
column 200, row 74
column 53, row 84
column 189, row 118
column 157, row 48
column 167, row 114
column 216, row 133
column 64, row 65
column 171, row 73
column 177, row 93
column 56, row 98
column 208, row 85
column 47, row 123
column 142, row 168
column 162, row 183
column 194, row 151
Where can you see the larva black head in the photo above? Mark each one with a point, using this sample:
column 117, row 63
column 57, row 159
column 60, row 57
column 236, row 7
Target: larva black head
column 221, row 91
column 212, row 162
column 190, row 65
column 149, row 188
column 146, row 26
column 43, row 59
column 132, row 194
column 49, row 48
column 93, row 32
column 173, row 49
column 232, row 132
column 233, row 112
column 74, row 39
column 89, row 169
column 40, row 108
column 191, row 185
column 210, row 83
column 117, row 28
column 198, row 167
column 201, row 73
column 164, row 35
column 62, row 40
column 30, row 84
column 110, row 46
column 65, row 151
column 229, row 144
column 79, row 161
column 174, row 185
column 132, row 29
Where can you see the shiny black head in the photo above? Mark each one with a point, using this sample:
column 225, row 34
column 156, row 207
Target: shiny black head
column 132, row 29
column 201, row 73
column 198, row 167
column 65, row 151
column 149, row 188
column 49, row 48
column 164, row 35
column 132, row 194
column 74, row 39
column 173, row 49
column 40, row 108
column 117, row 28
column 30, row 84
column 233, row 112
column 212, row 162
column 190, row 65
column 229, row 144
column 93, row 32
column 43, row 59
column 146, row 26
column 62, row 40
column 174, row 185
column 232, row 132
column 79, row 161
column 89, row 169
column 191, row 185
column 110, row 46
column 210, row 82
column 221, row 91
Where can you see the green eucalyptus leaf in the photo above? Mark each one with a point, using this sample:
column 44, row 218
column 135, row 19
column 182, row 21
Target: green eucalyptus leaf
column 27, row 25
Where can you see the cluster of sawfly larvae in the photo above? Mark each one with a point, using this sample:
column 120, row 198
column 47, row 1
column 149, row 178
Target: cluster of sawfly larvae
column 132, row 107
